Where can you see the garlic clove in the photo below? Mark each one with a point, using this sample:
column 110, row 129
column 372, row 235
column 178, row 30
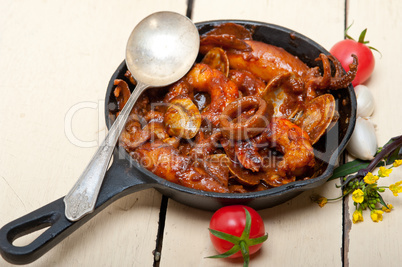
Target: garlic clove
column 363, row 142
column 365, row 101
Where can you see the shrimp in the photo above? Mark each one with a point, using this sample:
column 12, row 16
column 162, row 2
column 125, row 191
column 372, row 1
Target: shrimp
column 203, row 78
column 222, row 90
column 285, row 137
column 181, row 87
column 165, row 161
column 293, row 142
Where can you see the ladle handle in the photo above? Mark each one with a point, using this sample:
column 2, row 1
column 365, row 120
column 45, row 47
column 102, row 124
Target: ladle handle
column 121, row 179
column 82, row 197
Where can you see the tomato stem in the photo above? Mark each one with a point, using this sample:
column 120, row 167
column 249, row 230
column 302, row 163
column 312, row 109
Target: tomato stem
column 245, row 252
column 361, row 38
column 347, row 36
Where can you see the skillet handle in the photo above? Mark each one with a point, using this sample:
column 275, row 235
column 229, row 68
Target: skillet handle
column 118, row 182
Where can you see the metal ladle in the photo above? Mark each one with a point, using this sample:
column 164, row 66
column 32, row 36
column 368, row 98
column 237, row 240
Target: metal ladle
column 160, row 50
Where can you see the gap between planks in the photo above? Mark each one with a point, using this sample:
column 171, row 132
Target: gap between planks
column 346, row 220
column 164, row 201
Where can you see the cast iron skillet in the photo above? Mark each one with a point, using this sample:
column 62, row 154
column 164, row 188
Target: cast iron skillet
column 125, row 176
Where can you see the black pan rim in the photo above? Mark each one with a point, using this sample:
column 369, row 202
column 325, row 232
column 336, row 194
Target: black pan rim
column 297, row 186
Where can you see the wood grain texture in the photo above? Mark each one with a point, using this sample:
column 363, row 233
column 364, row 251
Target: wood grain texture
column 375, row 244
column 300, row 233
column 56, row 59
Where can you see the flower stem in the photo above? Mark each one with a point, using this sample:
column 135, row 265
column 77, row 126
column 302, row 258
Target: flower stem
column 387, row 150
column 245, row 252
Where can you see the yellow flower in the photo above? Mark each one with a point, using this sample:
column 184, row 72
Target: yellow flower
column 397, row 163
column 358, row 196
column 357, row 216
column 384, row 172
column 370, row 178
column 396, row 188
column 390, row 207
column 376, row 215
column 322, row 201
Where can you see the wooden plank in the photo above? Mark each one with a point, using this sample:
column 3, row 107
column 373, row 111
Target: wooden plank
column 374, row 244
column 56, row 60
column 322, row 21
column 300, row 232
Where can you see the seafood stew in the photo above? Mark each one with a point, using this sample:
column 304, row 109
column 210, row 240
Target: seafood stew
column 244, row 119
column 126, row 176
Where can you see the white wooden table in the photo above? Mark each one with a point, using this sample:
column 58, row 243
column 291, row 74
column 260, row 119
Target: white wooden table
column 56, row 58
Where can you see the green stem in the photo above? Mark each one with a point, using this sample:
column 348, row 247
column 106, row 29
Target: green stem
column 245, row 252
column 337, row 198
column 388, row 149
column 340, row 197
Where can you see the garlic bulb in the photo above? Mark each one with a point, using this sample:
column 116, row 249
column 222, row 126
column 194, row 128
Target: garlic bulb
column 365, row 101
column 363, row 142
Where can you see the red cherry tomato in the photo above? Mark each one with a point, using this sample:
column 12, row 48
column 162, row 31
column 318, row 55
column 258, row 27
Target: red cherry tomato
column 345, row 48
column 232, row 220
